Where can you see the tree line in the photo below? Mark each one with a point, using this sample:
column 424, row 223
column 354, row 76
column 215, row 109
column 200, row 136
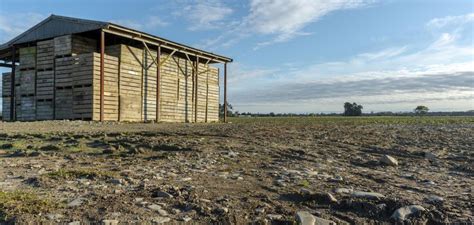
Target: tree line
column 350, row 109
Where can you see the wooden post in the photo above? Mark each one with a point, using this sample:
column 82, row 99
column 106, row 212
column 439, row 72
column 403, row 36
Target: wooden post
column 196, row 71
column 102, row 49
column 225, row 92
column 12, row 86
column 158, row 78
column 207, row 92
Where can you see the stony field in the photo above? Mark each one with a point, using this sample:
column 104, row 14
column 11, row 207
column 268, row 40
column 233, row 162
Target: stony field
column 254, row 170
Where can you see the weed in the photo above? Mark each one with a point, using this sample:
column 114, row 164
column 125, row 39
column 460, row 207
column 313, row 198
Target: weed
column 361, row 120
column 23, row 202
column 305, row 184
column 81, row 173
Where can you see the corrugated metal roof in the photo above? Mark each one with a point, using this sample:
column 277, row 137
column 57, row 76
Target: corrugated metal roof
column 54, row 26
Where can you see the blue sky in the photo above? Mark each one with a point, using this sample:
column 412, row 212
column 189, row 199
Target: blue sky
column 305, row 55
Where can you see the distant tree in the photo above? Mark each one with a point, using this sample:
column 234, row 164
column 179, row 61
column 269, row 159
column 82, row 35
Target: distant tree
column 352, row 109
column 272, row 114
column 421, row 110
column 230, row 113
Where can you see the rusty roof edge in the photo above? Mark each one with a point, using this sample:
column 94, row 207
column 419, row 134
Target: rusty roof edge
column 169, row 42
column 107, row 25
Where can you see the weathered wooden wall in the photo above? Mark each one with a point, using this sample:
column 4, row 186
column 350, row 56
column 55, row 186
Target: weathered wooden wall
column 178, row 100
column 130, row 81
column 149, row 86
column 176, row 92
column 86, row 90
column 25, row 88
column 60, row 79
column 45, row 80
column 6, row 95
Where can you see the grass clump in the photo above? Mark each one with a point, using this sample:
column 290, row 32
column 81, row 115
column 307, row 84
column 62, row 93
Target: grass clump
column 357, row 120
column 305, row 184
column 81, row 173
column 22, row 202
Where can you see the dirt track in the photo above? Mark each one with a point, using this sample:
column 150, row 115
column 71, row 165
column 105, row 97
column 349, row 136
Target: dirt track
column 235, row 173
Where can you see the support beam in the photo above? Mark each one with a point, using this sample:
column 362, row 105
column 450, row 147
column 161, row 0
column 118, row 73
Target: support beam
column 12, row 86
column 152, row 58
column 225, row 92
column 196, row 89
column 102, row 49
column 207, row 93
column 167, row 57
column 158, row 78
column 179, row 67
column 164, row 44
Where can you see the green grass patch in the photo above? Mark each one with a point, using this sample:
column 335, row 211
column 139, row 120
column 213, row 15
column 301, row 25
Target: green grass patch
column 360, row 120
column 13, row 145
column 81, row 147
column 81, row 173
column 22, row 202
column 305, row 184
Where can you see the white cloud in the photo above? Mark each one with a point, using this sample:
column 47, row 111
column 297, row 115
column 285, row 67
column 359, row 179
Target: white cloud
column 155, row 21
column 384, row 54
column 240, row 73
column 451, row 20
column 286, row 19
column 204, row 15
column 13, row 24
column 128, row 23
column 149, row 23
column 395, row 78
column 281, row 20
column 444, row 40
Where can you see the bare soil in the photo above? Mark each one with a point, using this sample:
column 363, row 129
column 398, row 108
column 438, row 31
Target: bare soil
column 235, row 173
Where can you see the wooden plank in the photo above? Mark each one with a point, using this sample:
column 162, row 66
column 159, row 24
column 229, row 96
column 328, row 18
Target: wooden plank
column 73, row 45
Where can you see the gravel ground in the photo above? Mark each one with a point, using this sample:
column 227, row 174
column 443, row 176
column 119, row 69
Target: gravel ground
column 239, row 173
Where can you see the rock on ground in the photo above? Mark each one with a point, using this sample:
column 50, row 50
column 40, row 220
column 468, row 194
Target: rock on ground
column 368, row 195
column 402, row 213
column 389, row 160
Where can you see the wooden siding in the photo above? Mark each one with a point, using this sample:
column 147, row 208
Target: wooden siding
column 60, row 79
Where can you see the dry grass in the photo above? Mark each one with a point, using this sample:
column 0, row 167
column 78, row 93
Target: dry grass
column 80, row 173
column 22, row 202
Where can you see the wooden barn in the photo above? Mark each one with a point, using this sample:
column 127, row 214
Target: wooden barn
column 77, row 69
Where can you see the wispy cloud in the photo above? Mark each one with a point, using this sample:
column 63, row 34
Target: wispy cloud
column 241, row 73
column 286, row 19
column 451, row 20
column 384, row 54
column 281, row 20
column 205, row 14
column 425, row 83
column 441, row 73
column 150, row 22
column 13, row 24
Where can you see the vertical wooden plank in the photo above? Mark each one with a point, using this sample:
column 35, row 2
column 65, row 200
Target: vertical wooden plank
column 158, row 79
column 35, row 97
column 225, row 92
column 186, row 89
column 207, row 92
column 196, row 71
column 142, row 98
column 12, row 91
column 119, row 117
column 54, row 89
column 193, row 96
column 102, row 49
